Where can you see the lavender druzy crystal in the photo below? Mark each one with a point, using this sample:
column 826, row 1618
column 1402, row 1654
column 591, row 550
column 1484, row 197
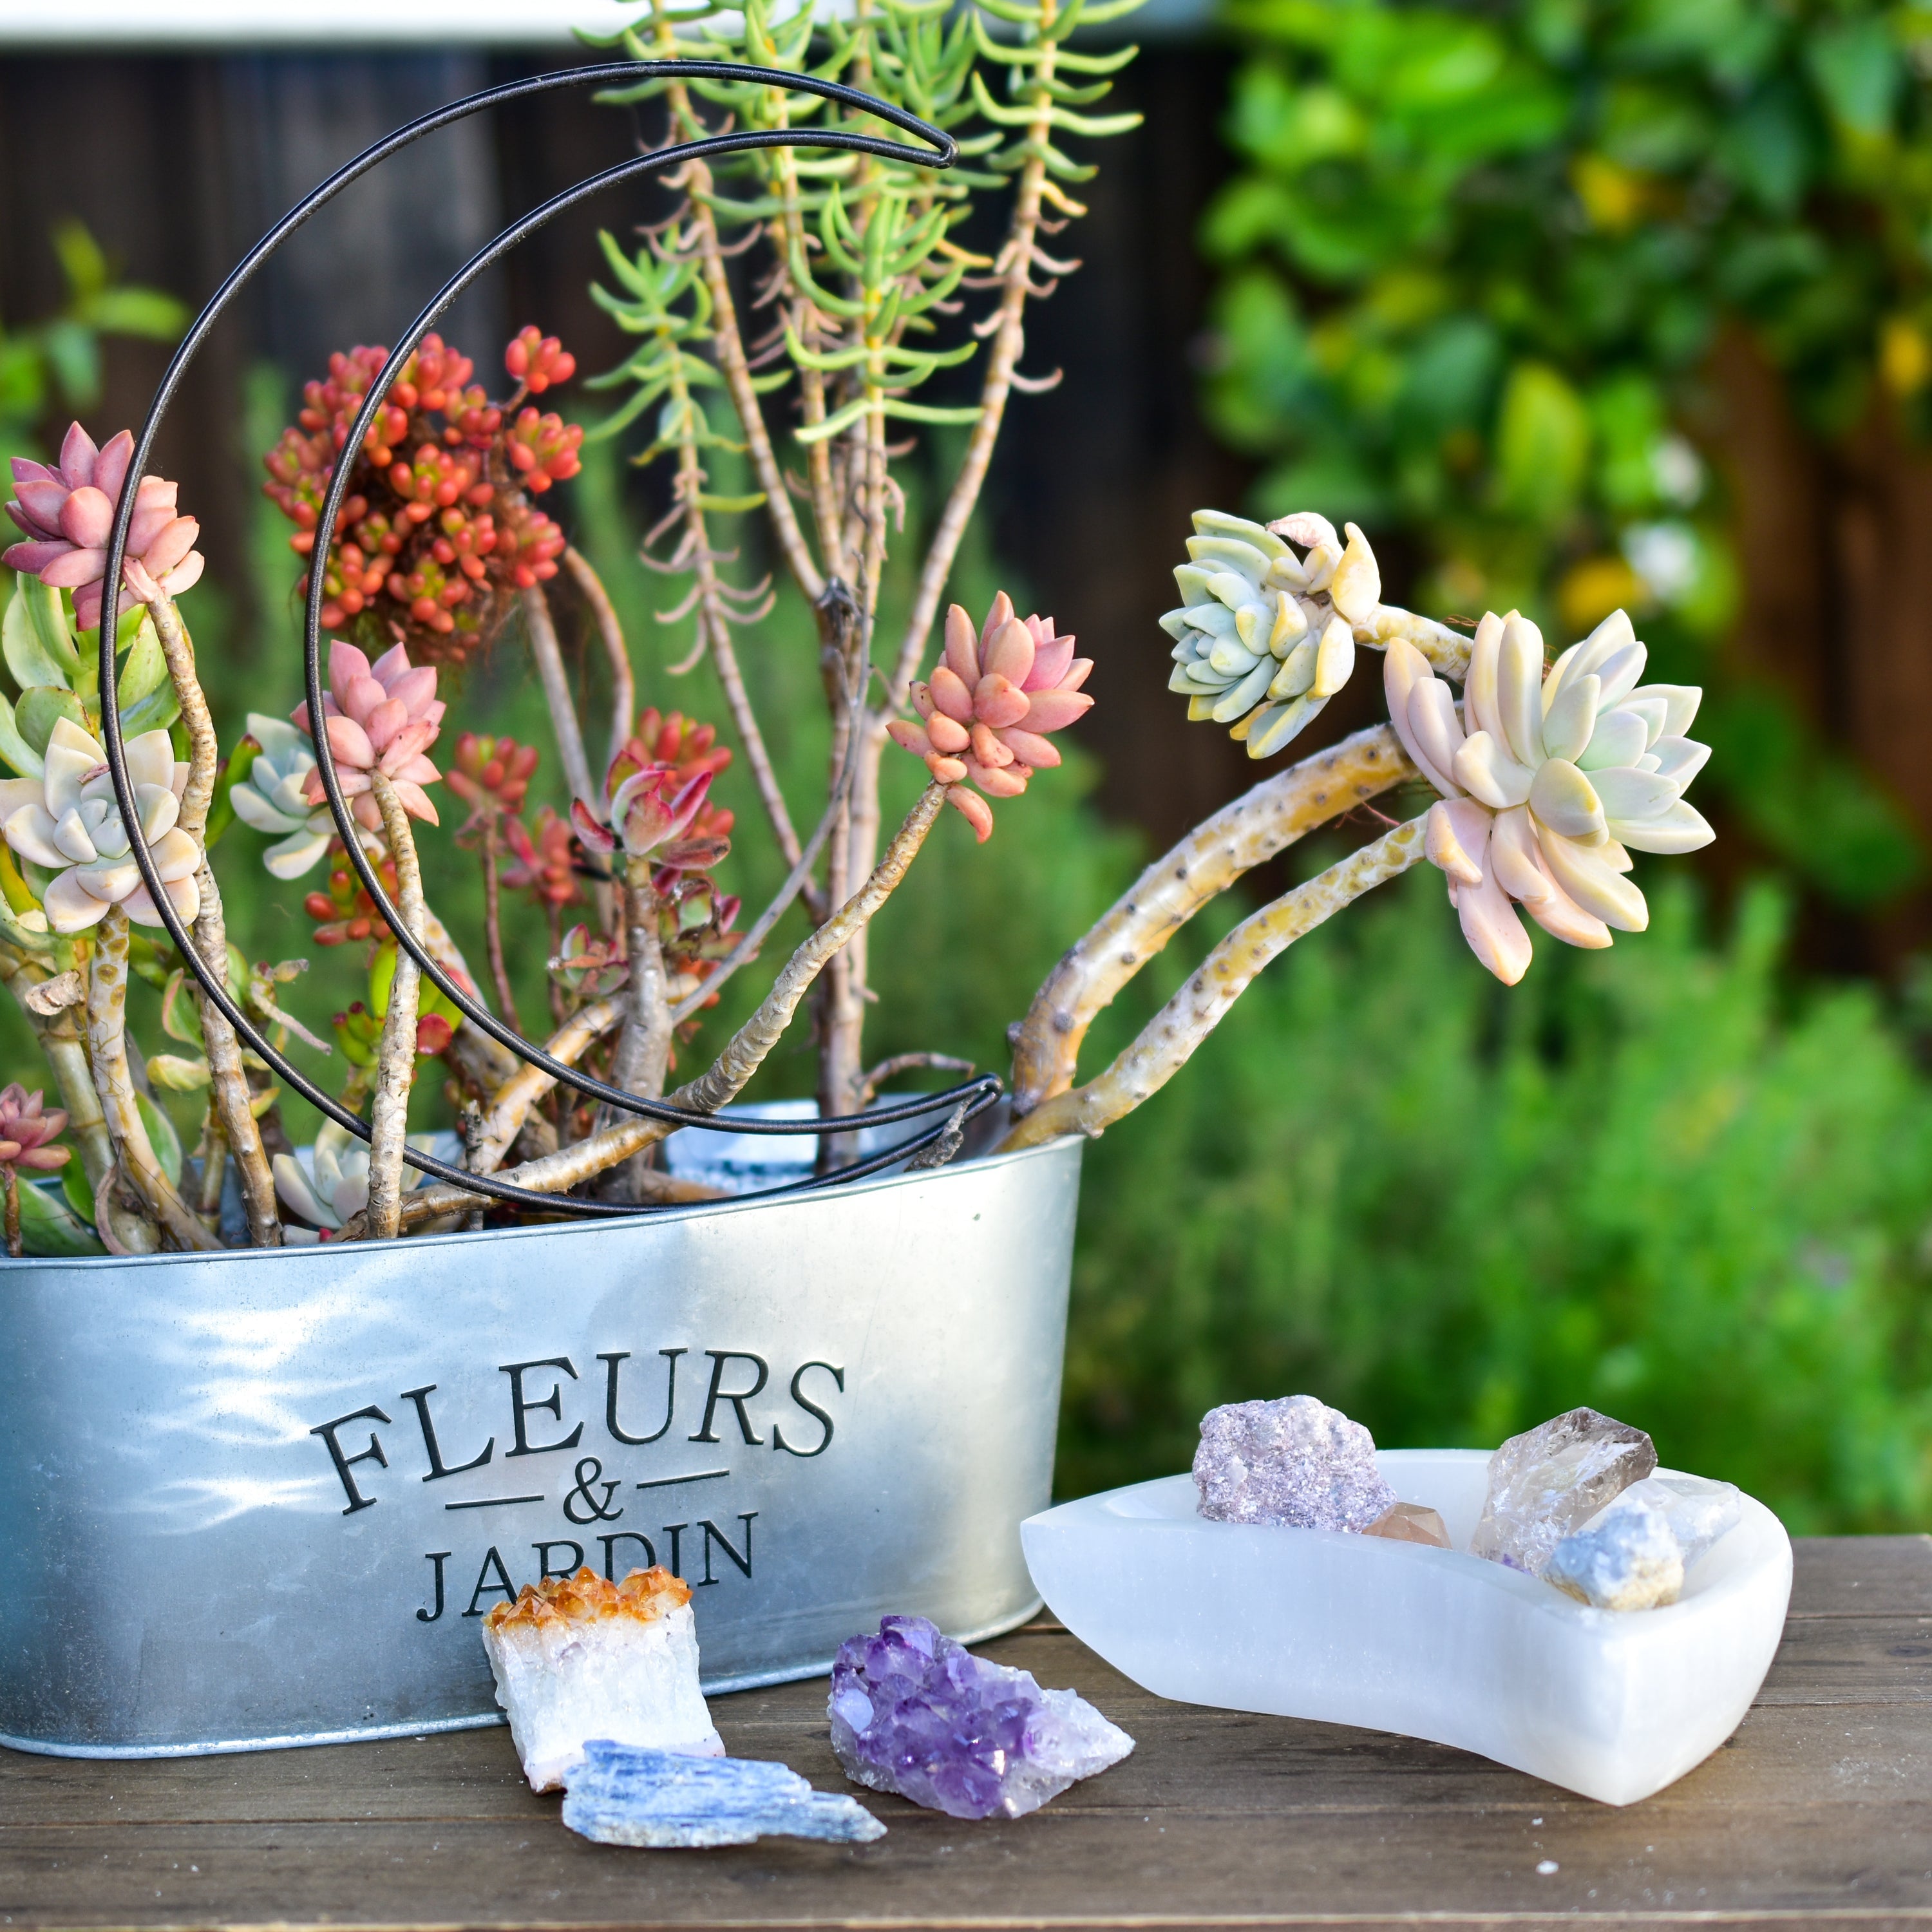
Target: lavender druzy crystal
column 1295, row 1461
column 915, row 1713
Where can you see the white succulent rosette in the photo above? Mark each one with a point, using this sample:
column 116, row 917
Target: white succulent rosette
column 1264, row 638
column 270, row 798
column 1548, row 785
column 338, row 1189
column 68, row 820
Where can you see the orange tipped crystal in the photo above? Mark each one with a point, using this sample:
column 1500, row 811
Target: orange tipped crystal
column 643, row 1597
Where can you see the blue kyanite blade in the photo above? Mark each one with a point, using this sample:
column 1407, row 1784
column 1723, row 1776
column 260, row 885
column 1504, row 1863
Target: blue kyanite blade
column 624, row 1795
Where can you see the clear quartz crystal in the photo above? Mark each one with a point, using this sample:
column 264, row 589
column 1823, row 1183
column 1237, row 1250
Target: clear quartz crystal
column 1295, row 1461
column 627, row 1795
column 1550, row 1480
column 1698, row 1509
column 1625, row 1558
column 915, row 1713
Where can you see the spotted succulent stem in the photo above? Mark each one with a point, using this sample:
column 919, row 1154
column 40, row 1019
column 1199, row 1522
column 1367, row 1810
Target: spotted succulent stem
column 107, row 1054
column 396, row 1054
column 727, row 1075
column 643, row 1046
column 1263, row 821
column 510, row 1105
column 623, row 685
column 228, row 1079
column 1168, row 1040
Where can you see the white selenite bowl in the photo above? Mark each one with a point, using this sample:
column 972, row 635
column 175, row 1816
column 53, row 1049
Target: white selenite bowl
column 1430, row 1643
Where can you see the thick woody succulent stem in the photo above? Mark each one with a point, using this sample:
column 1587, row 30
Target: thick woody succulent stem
column 107, row 1053
column 396, row 1054
column 1167, row 1041
column 13, row 1244
column 644, row 1047
column 1264, row 820
column 623, row 686
column 510, row 1106
column 726, row 1076
column 228, row 1079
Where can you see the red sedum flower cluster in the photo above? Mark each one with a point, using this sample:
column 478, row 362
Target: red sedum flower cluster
column 438, row 531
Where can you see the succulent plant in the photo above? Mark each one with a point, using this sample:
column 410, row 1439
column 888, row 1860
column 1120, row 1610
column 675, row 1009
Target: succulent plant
column 537, row 360
column 273, row 797
column 438, row 531
column 671, row 739
column 339, row 1188
column 652, row 812
column 1548, row 783
column 380, row 717
column 492, row 776
column 543, row 863
column 992, row 700
column 68, row 820
column 25, row 1136
column 1264, row 638
column 67, row 511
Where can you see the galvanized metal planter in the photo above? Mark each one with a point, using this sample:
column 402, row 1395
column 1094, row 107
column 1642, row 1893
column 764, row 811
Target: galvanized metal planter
column 261, row 1500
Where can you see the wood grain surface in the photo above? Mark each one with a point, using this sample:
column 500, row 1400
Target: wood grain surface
column 1818, row 1812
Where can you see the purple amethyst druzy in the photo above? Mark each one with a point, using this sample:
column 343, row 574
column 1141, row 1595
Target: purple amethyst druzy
column 915, row 1713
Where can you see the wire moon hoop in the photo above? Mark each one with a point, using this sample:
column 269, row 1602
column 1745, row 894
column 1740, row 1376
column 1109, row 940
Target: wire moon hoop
column 958, row 1103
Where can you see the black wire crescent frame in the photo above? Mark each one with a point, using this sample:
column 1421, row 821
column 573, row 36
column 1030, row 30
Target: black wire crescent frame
column 958, row 1103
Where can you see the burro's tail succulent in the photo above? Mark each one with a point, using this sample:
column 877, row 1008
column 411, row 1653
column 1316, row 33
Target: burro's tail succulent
column 1545, row 785
column 1548, row 783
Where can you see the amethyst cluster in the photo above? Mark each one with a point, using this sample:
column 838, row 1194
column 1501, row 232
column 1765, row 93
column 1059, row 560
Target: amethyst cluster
column 915, row 1713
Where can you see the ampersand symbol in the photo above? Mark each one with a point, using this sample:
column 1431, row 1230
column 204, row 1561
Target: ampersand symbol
column 589, row 1471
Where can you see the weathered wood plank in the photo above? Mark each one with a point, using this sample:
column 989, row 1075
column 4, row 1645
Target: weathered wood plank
column 1862, row 1575
column 1819, row 1809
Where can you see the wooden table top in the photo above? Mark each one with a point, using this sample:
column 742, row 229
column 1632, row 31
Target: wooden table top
column 1819, row 1811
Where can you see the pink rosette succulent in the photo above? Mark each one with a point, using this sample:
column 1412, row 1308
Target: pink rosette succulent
column 655, row 813
column 993, row 700
column 379, row 717
column 67, row 513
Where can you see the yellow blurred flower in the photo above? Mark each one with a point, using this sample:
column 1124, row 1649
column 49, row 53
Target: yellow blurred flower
column 1591, row 590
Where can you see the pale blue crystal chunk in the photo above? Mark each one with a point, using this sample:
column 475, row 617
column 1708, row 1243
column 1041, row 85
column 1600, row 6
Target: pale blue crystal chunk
column 625, row 1794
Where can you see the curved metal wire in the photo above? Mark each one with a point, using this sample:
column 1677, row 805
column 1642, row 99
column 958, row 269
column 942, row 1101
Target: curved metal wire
column 960, row 1103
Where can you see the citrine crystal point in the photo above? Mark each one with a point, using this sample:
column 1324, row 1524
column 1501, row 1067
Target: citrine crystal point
column 1625, row 1558
column 626, row 1795
column 1295, row 1462
column 1551, row 1480
column 577, row 1658
column 1412, row 1522
column 914, row 1713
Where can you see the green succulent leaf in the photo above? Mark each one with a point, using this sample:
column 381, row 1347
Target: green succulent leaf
column 41, row 708
column 50, row 1226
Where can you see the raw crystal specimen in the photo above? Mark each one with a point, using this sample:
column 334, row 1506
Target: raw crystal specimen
column 577, row 1658
column 626, row 1795
column 914, row 1713
column 1625, row 1558
column 1698, row 1511
column 1295, row 1461
column 1411, row 1523
column 1552, row 1480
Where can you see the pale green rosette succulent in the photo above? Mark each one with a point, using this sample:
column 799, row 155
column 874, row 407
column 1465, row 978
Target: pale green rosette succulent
column 1264, row 638
column 1548, row 784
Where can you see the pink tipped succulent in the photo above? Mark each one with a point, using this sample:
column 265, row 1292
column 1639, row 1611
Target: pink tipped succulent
column 537, row 360
column 381, row 717
column 654, row 813
column 993, row 700
column 66, row 513
column 24, row 1133
column 544, row 864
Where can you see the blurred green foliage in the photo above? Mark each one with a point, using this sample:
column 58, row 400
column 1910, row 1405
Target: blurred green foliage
column 54, row 363
column 1474, row 260
column 1644, row 1179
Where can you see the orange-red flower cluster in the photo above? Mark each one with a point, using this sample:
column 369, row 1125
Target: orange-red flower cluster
column 438, row 531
